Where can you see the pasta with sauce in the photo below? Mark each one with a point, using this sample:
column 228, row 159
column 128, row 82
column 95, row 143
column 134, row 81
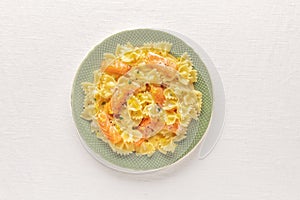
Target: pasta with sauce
column 142, row 99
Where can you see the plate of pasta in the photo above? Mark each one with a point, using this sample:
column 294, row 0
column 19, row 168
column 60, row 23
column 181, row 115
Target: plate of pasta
column 141, row 100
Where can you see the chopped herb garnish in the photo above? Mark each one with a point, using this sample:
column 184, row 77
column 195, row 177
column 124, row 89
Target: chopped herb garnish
column 129, row 81
column 158, row 109
column 120, row 118
column 138, row 71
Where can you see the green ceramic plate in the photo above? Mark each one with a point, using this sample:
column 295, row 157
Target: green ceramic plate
column 132, row 163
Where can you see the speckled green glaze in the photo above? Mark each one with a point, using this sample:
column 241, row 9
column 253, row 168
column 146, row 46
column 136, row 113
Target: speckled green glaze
column 132, row 162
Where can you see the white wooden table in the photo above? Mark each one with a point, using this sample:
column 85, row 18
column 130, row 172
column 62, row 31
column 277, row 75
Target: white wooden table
column 254, row 45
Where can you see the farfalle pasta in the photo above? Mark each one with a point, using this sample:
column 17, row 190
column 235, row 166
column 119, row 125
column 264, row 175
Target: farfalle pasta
column 142, row 99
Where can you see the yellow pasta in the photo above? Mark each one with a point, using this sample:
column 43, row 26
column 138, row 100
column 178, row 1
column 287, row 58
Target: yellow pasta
column 170, row 94
column 135, row 115
column 142, row 99
column 107, row 84
column 146, row 148
column 189, row 98
column 185, row 68
column 147, row 110
column 170, row 104
column 145, row 98
column 134, row 104
column 171, row 117
column 123, row 148
column 199, row 100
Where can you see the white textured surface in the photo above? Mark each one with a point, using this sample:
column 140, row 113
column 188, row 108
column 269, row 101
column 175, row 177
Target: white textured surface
column 255, row 46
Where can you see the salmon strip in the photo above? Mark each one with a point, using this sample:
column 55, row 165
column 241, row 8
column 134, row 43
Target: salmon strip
column 118, row 68
column 120, row 96
column 173, row 127
column 158, row 94
column 157, row 59
column 145, row 122
column 138, row 143
column 108, row 129
column 150, row 126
